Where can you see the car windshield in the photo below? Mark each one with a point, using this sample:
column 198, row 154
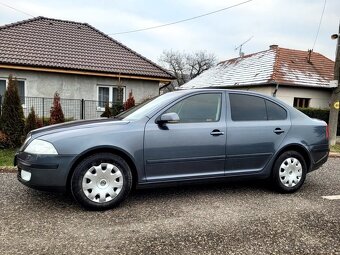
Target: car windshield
column 145, row 108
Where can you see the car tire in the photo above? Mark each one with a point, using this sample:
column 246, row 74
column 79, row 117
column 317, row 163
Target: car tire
column 289, row 172
column 101, row 181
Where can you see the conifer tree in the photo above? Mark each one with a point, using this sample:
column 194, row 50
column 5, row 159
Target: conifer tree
column 107, row 113
column 57, row 115
column 12, row 119
column 32, row 121
column 130, row 102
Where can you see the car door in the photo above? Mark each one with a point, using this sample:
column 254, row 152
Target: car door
column 194, row 147
column 256, row 128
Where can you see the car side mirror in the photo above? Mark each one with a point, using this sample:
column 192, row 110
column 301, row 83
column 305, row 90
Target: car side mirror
column 170, row 117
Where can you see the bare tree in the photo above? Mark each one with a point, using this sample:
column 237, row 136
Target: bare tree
column 186, row 66
column 198, row 62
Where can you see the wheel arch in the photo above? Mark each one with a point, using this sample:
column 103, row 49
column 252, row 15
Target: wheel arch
column 298, row 148
column 117, row 151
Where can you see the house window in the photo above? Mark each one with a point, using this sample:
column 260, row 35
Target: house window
column 2, row 87
column 110, row 94
column 21, row 89
column 301, row 102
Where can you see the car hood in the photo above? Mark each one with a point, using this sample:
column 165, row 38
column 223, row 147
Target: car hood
column 76, row 125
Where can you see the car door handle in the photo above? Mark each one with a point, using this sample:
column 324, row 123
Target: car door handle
column 216, row 132
column 278, row 131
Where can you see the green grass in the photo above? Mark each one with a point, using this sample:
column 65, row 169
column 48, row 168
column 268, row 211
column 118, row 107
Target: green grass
column 7, row 156
column 335, row 148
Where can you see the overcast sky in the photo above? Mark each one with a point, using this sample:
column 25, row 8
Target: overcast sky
column 288, row 23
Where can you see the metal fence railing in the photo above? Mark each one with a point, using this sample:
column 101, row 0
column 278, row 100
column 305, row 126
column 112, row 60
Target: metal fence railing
column 73, row 109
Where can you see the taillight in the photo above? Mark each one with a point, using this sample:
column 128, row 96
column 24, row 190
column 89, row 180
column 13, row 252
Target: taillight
column 327, row 132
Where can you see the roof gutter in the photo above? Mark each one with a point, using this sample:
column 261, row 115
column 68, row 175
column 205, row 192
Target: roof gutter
column 90, row 73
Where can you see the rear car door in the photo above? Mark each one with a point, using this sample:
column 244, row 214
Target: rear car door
column 192, row 148
column 256, row 128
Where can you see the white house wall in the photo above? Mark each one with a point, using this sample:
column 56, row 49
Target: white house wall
column 319, row 97
column 71, row 86
column 41, row 86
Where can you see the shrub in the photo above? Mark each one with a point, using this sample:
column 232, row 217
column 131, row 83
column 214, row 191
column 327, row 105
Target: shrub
column 32, row 121
column 4, row 141
column 12, row 118
column 130, row 102
column 57, row 115
column 107, row 113
column 117, row 108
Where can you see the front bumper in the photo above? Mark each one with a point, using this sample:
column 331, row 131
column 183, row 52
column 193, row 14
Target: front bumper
column 43, row 172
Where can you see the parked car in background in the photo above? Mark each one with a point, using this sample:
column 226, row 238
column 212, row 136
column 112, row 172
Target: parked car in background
column 183, row 136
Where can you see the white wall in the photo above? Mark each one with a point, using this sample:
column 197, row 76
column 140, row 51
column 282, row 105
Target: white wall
column 319, row 97
column 71, row 86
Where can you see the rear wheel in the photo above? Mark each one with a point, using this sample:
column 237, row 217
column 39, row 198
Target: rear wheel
column 289, row 172
column 101, row 181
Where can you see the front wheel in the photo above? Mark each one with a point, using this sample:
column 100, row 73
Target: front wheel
column 289, row 172
column 101, row 181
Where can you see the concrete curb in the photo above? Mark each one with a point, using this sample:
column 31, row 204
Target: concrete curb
column 13, row 169
column 334, row 155
column 8, row 169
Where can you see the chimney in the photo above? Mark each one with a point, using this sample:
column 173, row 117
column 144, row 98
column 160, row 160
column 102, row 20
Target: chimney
column 273, row 46
column 309, row 56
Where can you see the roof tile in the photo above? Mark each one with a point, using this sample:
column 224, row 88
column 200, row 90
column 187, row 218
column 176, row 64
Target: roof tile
column 276, row 65
column 53, row 43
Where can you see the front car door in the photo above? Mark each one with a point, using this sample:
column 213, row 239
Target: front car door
column 256, row 128
column 192, row 148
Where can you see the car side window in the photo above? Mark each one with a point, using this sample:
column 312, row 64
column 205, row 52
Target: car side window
column 275, row 112
column 198, row 108
column 247, row 107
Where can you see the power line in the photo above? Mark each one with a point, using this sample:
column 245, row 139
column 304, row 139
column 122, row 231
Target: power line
column 317, row 33
column 6, row 5
column 183, row 20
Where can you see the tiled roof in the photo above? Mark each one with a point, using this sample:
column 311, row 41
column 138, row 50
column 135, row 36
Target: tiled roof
column 51, row 43
column 276, row 65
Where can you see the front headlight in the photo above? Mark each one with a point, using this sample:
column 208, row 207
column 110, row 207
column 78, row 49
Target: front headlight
column 40, row 147
column 28, row 137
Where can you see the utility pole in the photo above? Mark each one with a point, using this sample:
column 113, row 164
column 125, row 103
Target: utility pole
column 335, row 98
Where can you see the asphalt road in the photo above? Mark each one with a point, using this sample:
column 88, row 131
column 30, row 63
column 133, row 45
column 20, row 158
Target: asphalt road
column 227, row 218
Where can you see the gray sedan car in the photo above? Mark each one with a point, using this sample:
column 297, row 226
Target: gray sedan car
column 183, row 136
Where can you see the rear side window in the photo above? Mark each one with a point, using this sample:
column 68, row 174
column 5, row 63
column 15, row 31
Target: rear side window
column 275, row 112
column 251, row 108
column 198, row 108
column 247, row 107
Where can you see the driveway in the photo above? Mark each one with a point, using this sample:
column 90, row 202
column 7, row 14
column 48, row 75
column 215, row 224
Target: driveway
column 225, row 218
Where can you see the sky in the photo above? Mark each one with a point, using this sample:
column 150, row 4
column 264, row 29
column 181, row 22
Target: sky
column 288, row 23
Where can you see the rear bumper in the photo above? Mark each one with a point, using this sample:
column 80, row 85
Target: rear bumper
column 43, row 172
column 320, row 155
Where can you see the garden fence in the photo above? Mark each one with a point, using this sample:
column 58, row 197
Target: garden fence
column 73, row 109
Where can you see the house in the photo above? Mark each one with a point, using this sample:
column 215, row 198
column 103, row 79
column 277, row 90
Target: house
column 75, row 59
column 299, row 78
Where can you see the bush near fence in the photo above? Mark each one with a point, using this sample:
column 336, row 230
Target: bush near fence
column 73, row 109
column 321, row 114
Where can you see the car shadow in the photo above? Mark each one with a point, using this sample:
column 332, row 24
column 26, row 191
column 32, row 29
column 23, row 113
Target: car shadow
column 52, row 200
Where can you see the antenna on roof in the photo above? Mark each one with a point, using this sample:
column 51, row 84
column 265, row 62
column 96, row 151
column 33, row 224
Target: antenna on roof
column 241, row 54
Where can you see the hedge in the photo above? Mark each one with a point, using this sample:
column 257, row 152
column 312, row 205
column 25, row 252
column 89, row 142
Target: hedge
column 321, row 114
